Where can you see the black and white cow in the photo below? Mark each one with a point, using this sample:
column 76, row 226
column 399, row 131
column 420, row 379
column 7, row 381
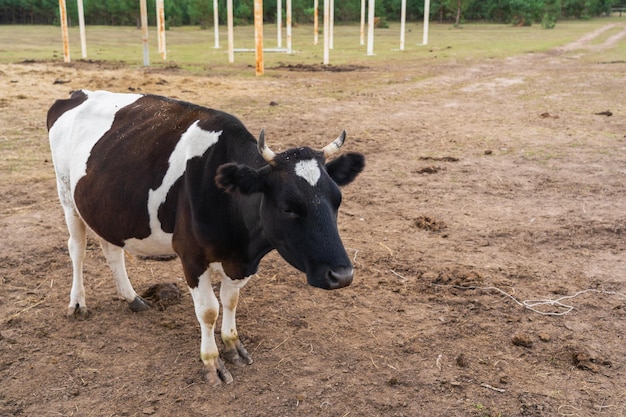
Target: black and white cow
column 156, row 176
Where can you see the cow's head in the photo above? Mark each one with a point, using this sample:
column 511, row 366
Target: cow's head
column 300, row 199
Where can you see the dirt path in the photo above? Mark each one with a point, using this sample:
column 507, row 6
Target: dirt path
column 585, row 41
column 489, row 185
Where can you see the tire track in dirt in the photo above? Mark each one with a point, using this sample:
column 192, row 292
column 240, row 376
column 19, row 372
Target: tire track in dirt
column 584, row 41
column 510, row 71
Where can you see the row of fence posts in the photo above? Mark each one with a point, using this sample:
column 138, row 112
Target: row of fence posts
column 329, row 7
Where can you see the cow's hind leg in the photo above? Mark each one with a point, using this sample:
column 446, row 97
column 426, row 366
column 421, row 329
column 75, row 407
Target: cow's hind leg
column 207, row 310
column 234, row 351
column 115, row 259
column 76, row 244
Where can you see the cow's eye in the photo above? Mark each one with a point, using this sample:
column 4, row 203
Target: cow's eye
column 288, row 212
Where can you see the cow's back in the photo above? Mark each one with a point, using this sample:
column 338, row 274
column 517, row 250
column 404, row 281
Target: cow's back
column 75, row 125
column 120, row 159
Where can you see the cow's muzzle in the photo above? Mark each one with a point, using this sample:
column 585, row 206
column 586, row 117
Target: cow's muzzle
column 339, row 277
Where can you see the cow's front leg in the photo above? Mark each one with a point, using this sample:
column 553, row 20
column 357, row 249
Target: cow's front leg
column 207, row 309
column 234, row 351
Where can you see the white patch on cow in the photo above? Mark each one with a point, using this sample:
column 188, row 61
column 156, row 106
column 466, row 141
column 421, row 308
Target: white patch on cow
column 74, row 134
column 309, row 170
column 229, row 295
column 193, row 143
column 207, row 309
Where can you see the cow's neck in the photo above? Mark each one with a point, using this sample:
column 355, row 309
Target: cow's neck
column 258, row 245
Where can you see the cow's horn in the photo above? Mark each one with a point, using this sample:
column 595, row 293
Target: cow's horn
column 264, row 150
column 334, row 146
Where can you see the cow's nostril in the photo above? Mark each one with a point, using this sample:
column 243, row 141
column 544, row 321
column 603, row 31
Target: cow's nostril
column 341, row 277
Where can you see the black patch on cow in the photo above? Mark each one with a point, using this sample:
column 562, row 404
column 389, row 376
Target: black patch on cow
column 61, row 106
column 166, row 210
column 127, row 162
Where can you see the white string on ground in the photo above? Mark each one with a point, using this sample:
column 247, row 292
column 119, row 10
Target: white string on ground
column 398, row 275
column 534, row 304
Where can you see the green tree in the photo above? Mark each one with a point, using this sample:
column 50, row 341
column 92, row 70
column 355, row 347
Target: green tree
column 551, row 12
column 525, row 12
column 457, row 7
column 199, row 12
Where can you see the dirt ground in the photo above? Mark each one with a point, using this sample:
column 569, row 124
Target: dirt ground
column 494, row 195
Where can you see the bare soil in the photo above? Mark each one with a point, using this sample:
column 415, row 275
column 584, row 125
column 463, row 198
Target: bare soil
column 494, row 194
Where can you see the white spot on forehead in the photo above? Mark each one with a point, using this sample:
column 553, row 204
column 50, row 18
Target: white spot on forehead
column 309, row 170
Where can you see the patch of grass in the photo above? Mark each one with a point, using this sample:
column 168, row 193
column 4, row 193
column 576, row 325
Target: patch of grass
column 479, row 406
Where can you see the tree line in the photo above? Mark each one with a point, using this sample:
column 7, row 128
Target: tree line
column 200, row 12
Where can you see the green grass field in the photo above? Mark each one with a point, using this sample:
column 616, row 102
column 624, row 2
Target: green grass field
column 190, row 47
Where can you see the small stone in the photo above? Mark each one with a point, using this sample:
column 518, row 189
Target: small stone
column 148, row 411
column 461, row 361
column 523, row 340
column 544, row 337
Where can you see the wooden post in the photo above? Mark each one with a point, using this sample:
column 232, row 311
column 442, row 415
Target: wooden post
column 258, row 35
column 160, row 9
column 426, row 19
column 158, row 25
column 144, row 31
column 326, row 58
column 331, row 31
column 64, row 33
column 279, row 23
column 362, row 22
column 316, row 7
column 216, row 24
column 289, row 26
column 370, row 27
column 231, row 37
column 402, row 24
column 81, row 24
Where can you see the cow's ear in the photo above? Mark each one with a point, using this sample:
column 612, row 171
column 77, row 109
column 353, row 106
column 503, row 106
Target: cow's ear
column 233, row 177
column 345, row 168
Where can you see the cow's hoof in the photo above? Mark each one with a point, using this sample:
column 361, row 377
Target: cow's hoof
column 238, row 355
column 215, row 377
column 77, row 313
column 139, row 304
